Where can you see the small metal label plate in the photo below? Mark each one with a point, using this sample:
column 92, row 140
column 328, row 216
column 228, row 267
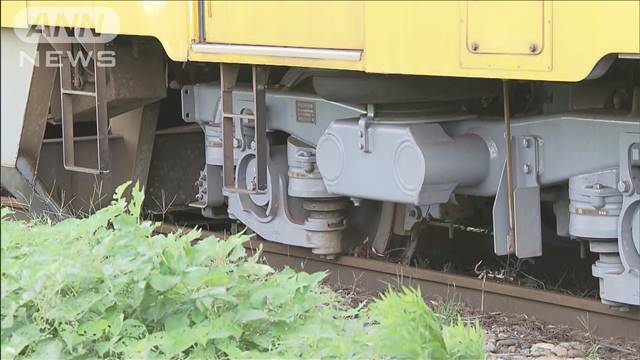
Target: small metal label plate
column 305, row 111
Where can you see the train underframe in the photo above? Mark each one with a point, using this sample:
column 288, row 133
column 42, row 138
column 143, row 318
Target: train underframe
column 325, row 159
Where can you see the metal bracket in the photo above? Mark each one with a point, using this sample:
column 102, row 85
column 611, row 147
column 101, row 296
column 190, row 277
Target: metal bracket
column 363, row 128
column 528, row 227
column 501, row 217
column 384, row 229
column 228, row 80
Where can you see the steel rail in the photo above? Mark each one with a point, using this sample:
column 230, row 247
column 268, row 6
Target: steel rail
column 371, row 276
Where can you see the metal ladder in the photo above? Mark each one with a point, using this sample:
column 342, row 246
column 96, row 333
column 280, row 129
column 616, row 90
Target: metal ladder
column 66, row 103
column 228, row 80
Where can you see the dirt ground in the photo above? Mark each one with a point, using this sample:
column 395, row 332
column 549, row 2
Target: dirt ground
column 514, row 336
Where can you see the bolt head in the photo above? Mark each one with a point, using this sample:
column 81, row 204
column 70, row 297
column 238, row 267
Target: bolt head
column 308, row 168
column 253, row 145
column 526, row 168
column 474, row 46
column 526, row 142
column 361, row 146
column 624, row 186
column 533, row 48
column 236, row 143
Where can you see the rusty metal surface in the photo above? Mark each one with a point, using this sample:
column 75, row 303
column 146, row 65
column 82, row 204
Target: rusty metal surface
column 137, row 79
column 144, row 144
column 373, row 276
column 178, row 156
column 77, row 192
column 21, row 181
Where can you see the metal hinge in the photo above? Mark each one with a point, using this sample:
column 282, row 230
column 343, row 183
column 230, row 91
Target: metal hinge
column 363, row 128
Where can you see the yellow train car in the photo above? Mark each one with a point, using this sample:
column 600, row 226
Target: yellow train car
column 305, row 120
column 537, row 40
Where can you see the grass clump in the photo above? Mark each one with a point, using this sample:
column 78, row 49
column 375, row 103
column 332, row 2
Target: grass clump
column 106, row 286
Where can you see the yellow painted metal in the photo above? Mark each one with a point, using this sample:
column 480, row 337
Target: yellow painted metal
column 61, row 13
column 512, row 36
column 13, row 14
column 171, row 22
column 315, row 24
column 496, row 27
column 426, row 40
column 421, row 38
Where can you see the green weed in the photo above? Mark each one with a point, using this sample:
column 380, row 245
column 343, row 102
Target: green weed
column 447, row 310
column 592, row 353
column 106, row 286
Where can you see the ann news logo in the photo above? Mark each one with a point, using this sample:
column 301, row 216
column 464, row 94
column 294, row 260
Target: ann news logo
column 68, row 25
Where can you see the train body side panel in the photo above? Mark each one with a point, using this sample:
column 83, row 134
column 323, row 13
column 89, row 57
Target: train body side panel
column 313, row 24
column 168, row 21
column 432, row 39
column 555, row 41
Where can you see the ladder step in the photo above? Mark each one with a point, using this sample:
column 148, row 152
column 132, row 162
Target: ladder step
column 78, row 92
column 85, row 170
column 243, row 191
column 238, row 116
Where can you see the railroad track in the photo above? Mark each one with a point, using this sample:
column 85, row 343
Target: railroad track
column 371, row 276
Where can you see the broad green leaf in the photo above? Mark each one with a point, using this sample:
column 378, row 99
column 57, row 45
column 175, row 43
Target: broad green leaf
column 137, row 197
column 93, row 329
column 224, row 327
column 176, row 322
column 70, row 337
column 215, row 277
column 50, row 350
column 159, row 338
column 103, row 346
column 20, row 338
column 116, row 320
column 132, row 328
column 120, row 190
column 163, row 282
column 210, row 293
column 9, row 308
column 178, row 341
column 194, row 276
column 253, row 269
column 250, row 315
